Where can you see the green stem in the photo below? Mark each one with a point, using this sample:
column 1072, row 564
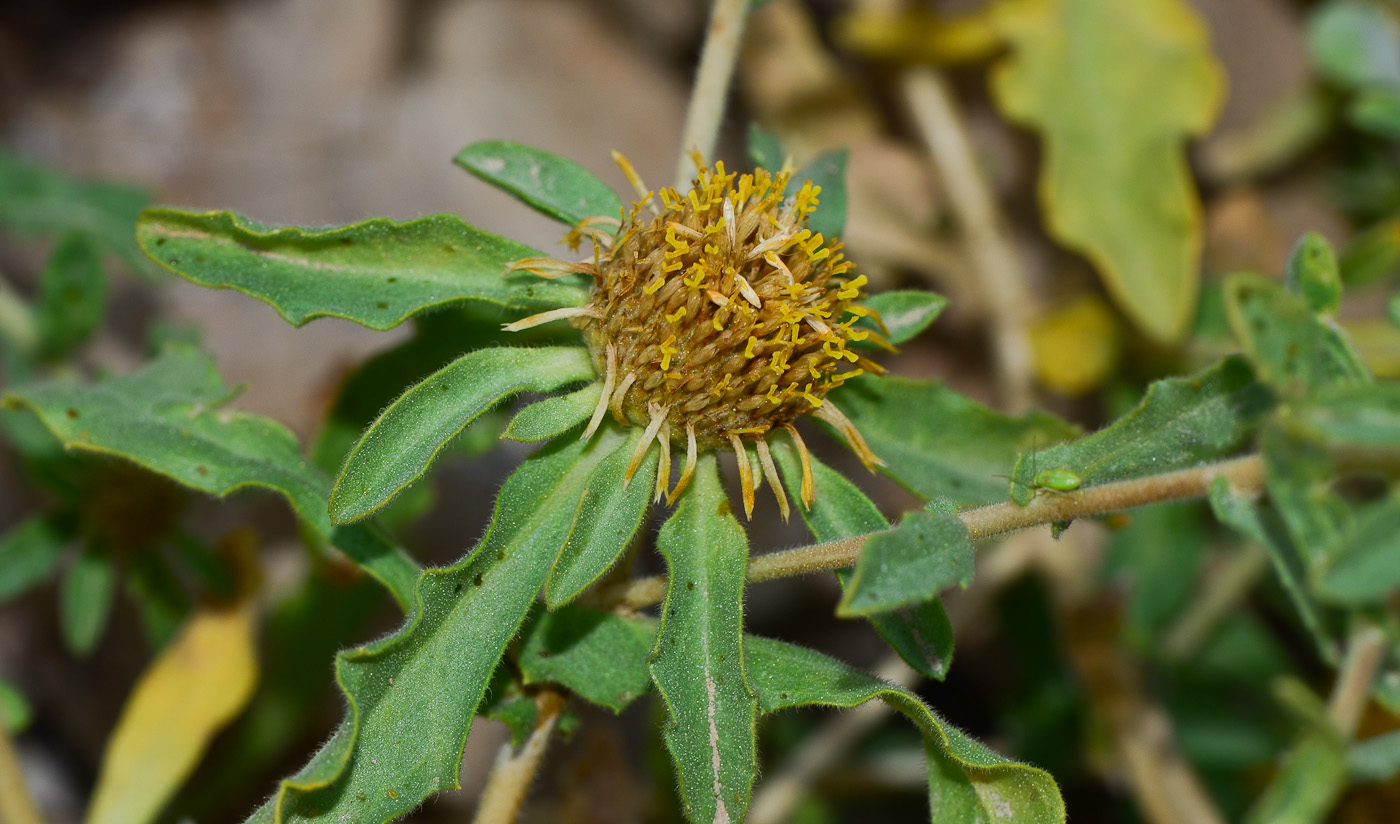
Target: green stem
column 1245, row 474
column 722, row 39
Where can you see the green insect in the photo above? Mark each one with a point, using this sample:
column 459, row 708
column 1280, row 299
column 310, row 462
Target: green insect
column 1057, row 480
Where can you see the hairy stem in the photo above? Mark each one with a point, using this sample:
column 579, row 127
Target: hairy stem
column 515, row 770
column 722, row 39
column 1245, row 474
column 1000, row 280
column 1355, row 679
column 16, row 807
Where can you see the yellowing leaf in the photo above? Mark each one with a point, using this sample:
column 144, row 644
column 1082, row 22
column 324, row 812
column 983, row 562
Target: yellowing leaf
column 1115, row 87
column 918, row 34
column 1076, row 346
column 196, row 686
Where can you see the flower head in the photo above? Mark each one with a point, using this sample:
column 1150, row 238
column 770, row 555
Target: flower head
column 716, row 318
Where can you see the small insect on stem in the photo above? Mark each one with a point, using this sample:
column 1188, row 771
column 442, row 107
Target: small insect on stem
column 1057, row 480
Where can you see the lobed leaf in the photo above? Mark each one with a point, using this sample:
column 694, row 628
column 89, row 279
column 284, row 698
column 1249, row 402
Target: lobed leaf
column 911, row 564
column 1180, row 422
column 1115, row 89
column 937, row 442
column 552, row 417
column 698, row 664
column 29, row 552
column 905, row 312
column 1291, row 348
column 967, row 781
column 188, row 693
column 166, row 418
column 920, row 633
column 402, row 443
column 377, row 273
column 548, row 183
column 599, row 656
column 38, row 200
column 424, row 683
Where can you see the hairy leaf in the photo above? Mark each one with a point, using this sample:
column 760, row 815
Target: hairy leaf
column 920, row 633
column 423, row 684
column 402, row 443
column 38, row 200
column 1262, row 527
column 1115, row 89
column 1291, row 348
column 1180, row 422
column 377, row 273
column 599, row 656
column 610, row 512
column 85, row 599
column 911, row 564
column 72, row 291
column 1350, row 421
column 967, row 781
column 905, row 313
column 555, row 187
column 937, row 442
column 552, row 417
column 195, row 687
column 166, row 417
column 29, row 552
column 698, row 664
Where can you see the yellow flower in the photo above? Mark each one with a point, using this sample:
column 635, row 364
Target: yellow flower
column 716, row 318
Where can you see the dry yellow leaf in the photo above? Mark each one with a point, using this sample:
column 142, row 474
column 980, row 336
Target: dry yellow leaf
column 1076, row 346
column 195, row 687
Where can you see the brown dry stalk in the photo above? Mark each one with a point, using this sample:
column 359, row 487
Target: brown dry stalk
column 1245, row 474
column 515, row 770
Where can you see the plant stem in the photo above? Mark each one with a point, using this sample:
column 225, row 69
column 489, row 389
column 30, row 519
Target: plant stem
column 1357, row 675
column 514, row 771
column 722, row 39
column 1000, row 280
column 1217, row 597
column 1246, row 475
column 16, row 807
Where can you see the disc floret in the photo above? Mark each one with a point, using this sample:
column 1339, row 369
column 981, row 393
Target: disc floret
column 718, row 317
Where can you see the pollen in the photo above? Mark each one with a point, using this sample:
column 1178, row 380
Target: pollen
column 696, row 317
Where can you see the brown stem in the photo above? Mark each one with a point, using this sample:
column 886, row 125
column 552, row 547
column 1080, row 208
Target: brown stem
column 1355, row 679
column 722, row 39
column 1245, row 474
column 515, row 770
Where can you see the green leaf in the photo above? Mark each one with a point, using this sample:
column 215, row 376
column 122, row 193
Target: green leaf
column 552, row 417
column 548, row 183
column 423, row 684
column 15, row 713
column 38, row 200
column 911, row 564
column 1351, row 421
column 1354, row 43
column 1300, row 478
column 377, row 273
column 905, row 313
column 599, row 656
column 401, row 444
column 1292, row 349
column 1372, row 254
column 1180, row 422
column 85, row 599
column 1115, row 89
column 698, row 664
column 828, row 171
column 765, row 150
column 609, row 513
column 1264, row 529
column 72, row 292
column 1376, row 759
column 937, row 442
column 160, row 601
column 1376, row 109
column 507, row 702
column 1160, row 554
column 1308, row 782
column 1364, row 567
column 29, row 552
column 167, row 418
column 1313, row 273
column 967, row 781
column 921, row 634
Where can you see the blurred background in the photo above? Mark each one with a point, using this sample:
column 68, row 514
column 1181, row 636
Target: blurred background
column 320, row 112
